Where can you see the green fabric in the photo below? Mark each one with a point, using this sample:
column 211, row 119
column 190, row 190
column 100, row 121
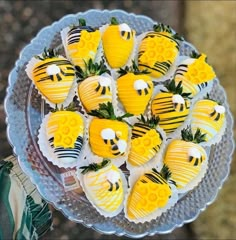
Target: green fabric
column 6, row 216
column 22, row 215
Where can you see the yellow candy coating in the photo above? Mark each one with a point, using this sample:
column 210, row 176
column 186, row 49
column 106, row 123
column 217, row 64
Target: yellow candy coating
column 170, row 116
column 194, row 74
column 91, row 93
column 145, row 144
column 84, row 49
column 183, row 168
column 54, row 77
column 65, row 126
column 206, row 118
column 148, row 194
column 117, row 49
column 199, row 71
column 106, row 195
column 107, row 147
column 157, row 52
column 134, row 100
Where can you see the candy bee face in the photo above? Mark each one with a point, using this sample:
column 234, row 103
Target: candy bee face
column 105, row 189
column 184, row 160
column 94, row 91
column 81, row 44
column 134, row 92
column 172, row 110
column 157, row 53
column 149, row 193
column 145, row 143
column 209, row 116
column 53, row 77
column 64, row 131
column 195, row 74
column 118, row 43
column 108, row 138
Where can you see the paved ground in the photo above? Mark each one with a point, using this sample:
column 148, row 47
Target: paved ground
column 21, row 20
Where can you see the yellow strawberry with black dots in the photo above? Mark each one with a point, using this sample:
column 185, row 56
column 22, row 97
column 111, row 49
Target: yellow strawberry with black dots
column 194, row 73
column 118, row 43
column 158, row 50
column 81, row 43
column 94, row 85
column 134, row 89
column 150, row 193
column 185, row 157
column 171, row 106
column 209, row 116
column 65, row 131
column 52, row 74
column 104, row 186
column 108, row 134
column 145, row 141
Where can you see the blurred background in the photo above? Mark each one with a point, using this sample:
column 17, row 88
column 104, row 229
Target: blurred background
column 209, row 25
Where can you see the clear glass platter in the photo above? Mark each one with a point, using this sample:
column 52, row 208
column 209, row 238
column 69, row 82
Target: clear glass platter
column 25, row 110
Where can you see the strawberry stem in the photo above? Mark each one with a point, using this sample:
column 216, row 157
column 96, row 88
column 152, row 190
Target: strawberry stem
column 114, row 21
column 94, row 167
column 106, row 111
column 82, row 22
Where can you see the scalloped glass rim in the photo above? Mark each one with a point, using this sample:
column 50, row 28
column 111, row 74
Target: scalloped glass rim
column 183, row 212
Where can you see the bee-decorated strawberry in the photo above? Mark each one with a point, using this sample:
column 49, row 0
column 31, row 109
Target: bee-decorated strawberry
column 95, row 86
column 146, row 141
column 134, row 89
column 151, row 195
column 105, row 187
column 108, row 134
column 81, row 42
column 172, row 107
column 52, row 74
column 186, row 159
column 61, row 136
column 209, row 116
column 158, row 50
column 194, row 73
column 118, row 43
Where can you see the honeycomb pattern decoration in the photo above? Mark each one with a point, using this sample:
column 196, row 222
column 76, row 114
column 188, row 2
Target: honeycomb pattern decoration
column 87, row 47
column 199, row 71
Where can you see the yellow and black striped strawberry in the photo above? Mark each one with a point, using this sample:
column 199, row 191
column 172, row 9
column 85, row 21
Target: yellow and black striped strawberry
column 104, row 187
column 194, row 73
column 52, row 74
column 145, row 141
column 81, row 43
column 158, row 50
column 171, row 106
column 134, row 89
column 150, row 193
column 95, row 86
column 185, row 158
column 108, row 134
column 118, row 43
